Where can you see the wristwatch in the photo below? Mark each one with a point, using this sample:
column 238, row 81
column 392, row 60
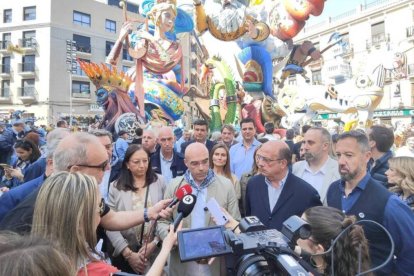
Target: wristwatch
column 146, row 218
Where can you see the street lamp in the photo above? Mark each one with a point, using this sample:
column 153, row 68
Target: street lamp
column 71, row 69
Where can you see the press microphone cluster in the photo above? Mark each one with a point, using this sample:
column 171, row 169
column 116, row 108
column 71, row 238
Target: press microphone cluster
column 179, row 194
column 185, row 207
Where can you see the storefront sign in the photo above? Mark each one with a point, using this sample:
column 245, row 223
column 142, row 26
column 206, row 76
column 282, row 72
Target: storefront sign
column 377, row 113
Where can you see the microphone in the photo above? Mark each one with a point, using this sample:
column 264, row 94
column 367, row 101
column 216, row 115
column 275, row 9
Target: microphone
column 179, row 194
column 184, row 208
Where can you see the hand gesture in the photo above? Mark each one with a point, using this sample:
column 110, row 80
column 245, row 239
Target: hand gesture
column 160, row 209
column 138, row 262
column 126, row 28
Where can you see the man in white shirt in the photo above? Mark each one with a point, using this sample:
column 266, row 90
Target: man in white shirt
column 318, row 168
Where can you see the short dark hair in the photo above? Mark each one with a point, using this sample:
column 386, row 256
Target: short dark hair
column 246, row 121
column 200, row 122
column 383, row 137
column 361, row 139
column 61, row 123
column 305, row 128
column 269, row 127
column 290, row 134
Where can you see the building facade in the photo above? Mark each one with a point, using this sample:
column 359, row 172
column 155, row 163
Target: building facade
column 39, row 39
column 371, row 33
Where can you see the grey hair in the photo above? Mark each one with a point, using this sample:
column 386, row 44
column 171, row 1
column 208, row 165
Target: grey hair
column 326, row 136
column 101, row 133
column 53, row 139
column 360, row 137
column 65, row 157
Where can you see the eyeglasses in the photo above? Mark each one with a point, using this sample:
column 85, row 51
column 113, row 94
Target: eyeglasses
column 101, row 207
column 265, row 159
column 198, row 163
column 101, row 166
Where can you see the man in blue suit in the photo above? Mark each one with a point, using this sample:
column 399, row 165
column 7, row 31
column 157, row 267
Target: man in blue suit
column 276, row 194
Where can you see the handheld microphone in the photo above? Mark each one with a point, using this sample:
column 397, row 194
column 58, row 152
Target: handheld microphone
column 184, row 208
column 179, row 194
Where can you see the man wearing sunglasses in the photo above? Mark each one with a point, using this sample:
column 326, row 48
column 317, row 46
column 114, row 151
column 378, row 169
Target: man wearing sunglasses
column 83, row 152
column 276, row 194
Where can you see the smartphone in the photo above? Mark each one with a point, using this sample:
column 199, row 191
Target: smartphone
column 6, row 166
column 215, row 210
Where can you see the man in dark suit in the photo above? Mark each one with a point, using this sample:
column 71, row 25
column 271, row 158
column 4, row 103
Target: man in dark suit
column 276, row 194
column 200, row 132
column 166, row 160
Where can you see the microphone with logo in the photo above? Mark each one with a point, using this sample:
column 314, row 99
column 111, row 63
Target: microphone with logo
column 179, row 194
column 184, row 208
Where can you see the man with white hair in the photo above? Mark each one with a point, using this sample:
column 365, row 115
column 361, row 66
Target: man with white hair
column 228, row 20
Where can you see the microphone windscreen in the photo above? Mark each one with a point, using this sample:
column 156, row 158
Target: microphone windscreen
column 186, row 205
column 182, row 191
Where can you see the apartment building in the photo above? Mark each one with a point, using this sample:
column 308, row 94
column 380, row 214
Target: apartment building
column 371, row 32
column 36, row 45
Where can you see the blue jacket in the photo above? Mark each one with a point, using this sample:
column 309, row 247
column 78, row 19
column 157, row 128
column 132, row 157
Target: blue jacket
column 12, row 198
column 178, row 167
column 374, row 202
column 35, row 170
column 381, row 166
column 296, row 196
column 7, row 140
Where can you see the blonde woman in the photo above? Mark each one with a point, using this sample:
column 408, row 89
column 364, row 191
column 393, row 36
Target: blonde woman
column 220, row 163
column 401, row 175
column 67, row 211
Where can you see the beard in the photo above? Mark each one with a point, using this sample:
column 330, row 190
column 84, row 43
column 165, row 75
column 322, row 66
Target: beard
column 309, row 156
column 226, row 19
column 348, row 176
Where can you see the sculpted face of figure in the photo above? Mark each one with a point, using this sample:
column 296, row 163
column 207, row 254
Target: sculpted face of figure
column 167, row 20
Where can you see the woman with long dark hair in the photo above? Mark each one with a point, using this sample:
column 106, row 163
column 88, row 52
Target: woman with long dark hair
column 26, row 154
column 138, row 187
column 220, row 163
column 327, row 223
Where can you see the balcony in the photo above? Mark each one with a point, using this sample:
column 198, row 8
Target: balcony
column 27, row 69
column 83, row 50
column 410, row 31
column 5, row 96
column 345, row 51
column 3, row 46
column 5, row 70
column 28, row 44
column 27, row 95
column 378, row 41
column 339, row 70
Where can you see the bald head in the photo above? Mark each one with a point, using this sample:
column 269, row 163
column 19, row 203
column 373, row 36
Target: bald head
column 149, row 140
column 196, row 160
column 166, row 141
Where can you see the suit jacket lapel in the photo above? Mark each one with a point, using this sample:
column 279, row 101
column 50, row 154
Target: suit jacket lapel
column 263, row 191
column 286, row 193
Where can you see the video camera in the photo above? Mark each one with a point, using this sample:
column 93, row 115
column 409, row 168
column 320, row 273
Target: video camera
column 260, row 251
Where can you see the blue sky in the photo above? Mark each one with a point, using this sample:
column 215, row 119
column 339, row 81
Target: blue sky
column 336, row 7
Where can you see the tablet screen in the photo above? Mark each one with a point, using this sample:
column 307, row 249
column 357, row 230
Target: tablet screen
column 202, row 243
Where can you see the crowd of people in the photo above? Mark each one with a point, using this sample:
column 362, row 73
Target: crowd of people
column 98, row 205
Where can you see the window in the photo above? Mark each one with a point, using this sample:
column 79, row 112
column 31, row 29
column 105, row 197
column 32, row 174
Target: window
column 7, row 16
column 29, row 13
column 316, row 77
column 108, row 47
column 5, row 41
column 378, row 33
column 83, row 43
column 110, row 26
column 125, row 55
column 79, row 71
column 82, row 19
column 113, row 3
column 81, row 89
column 29, row 39
column 28, row 88
column 292, row 80
column 5, row 88
column 28, row 63
column 5, row 65
column 132, row 8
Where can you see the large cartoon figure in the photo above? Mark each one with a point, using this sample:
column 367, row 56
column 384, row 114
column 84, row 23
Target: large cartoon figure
column 228, row 20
